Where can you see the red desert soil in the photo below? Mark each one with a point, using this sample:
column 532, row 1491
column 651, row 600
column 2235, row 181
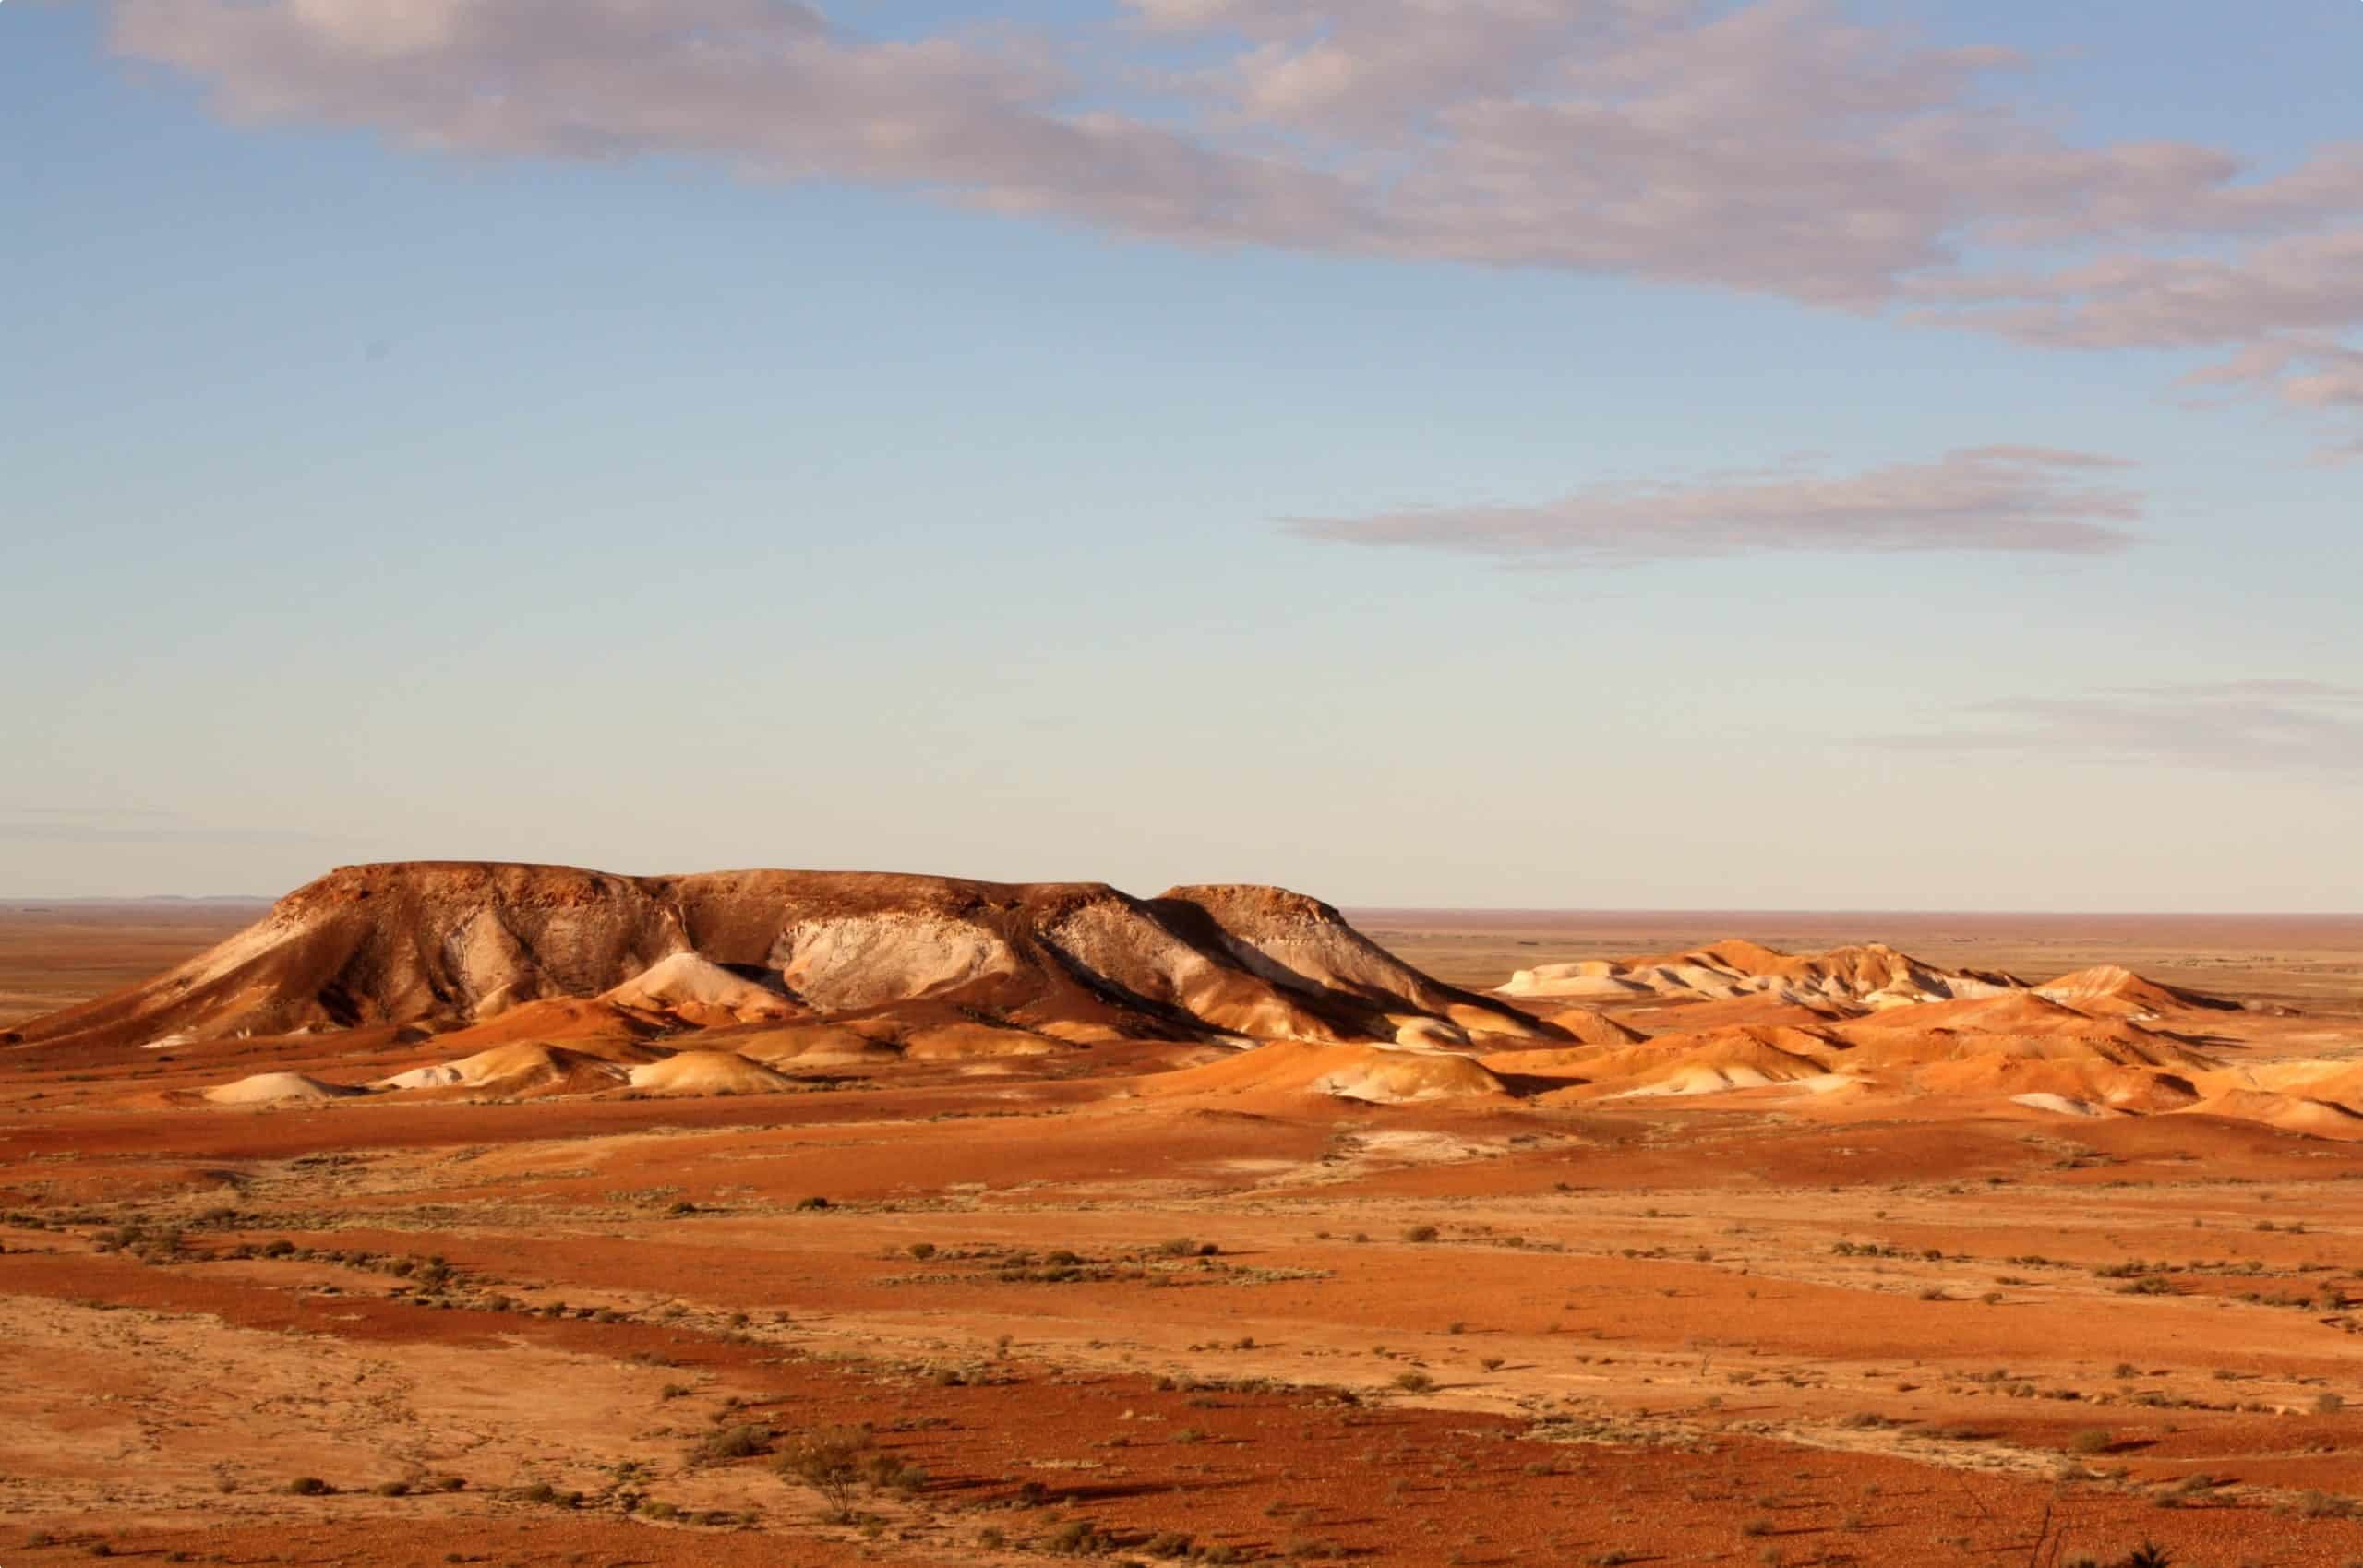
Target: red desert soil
column 1099, row 1277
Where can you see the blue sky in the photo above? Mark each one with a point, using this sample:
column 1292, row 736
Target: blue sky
column 1194, row 439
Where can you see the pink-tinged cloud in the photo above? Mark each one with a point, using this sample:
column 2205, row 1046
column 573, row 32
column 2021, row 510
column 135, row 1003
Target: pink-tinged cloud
column 2274, row 724
column 1985, row 499
column 1777, row 147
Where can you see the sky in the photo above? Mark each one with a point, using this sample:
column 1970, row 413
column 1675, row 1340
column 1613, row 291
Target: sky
column 1507, row 453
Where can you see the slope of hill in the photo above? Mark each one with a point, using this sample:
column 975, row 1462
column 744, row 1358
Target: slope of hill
column 2113, row 989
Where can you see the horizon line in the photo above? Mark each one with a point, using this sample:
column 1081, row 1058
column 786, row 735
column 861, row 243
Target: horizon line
column 16, row 901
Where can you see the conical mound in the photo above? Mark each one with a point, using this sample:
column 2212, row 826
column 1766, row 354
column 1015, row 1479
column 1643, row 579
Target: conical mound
column 709, row 1072
column 528, row 1069
column 279, row 1088
column 2110, row 989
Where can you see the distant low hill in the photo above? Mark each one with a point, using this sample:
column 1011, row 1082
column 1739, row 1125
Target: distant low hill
column 1840, row 982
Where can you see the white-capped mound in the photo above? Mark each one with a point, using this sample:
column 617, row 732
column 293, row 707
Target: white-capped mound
column 1375, row 1075
column 279, row 1089
column 813, row 1045
column 685, row 979
column 2060, row 1104
column 2113, row 989
column 1599, row 978
column 518, row 1070
column 1870, row 976
column 1430, row 1034
column 709, row 1072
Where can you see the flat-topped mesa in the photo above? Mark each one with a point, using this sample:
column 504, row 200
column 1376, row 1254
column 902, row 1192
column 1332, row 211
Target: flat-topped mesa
column 451, row 944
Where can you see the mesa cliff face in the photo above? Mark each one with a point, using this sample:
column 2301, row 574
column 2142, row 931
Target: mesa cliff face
column 446, row 945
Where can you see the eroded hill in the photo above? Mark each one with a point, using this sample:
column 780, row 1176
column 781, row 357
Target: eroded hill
column 562, row 952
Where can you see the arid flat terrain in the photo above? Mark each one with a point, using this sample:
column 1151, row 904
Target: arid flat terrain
column 510, row 1216
column 54, row 954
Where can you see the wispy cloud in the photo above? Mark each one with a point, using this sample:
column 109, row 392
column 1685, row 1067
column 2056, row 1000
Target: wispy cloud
column 90, row 813
column 2275, row 726
column 125, row 824
column 1778, row 147
column 1990, row 498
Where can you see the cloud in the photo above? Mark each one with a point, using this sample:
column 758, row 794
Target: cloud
column 1776, row 146
column 2280, row 308
column 91, row 813
column 773, row 89
column 127, row 825
column 1990, row 498
column 85, row 832
column 2286, row 725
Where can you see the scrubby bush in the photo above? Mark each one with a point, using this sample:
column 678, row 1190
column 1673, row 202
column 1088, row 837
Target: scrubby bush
column 1078, row 1537
column 832, row 1461
column 741, row 1442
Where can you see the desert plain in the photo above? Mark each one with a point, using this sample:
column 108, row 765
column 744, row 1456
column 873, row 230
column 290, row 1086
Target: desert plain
column 525, row 1216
